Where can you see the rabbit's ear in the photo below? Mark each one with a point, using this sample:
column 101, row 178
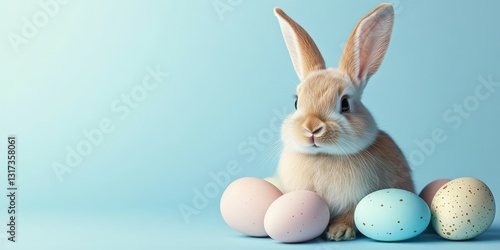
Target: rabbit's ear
column 366, row 47
column 303, row 51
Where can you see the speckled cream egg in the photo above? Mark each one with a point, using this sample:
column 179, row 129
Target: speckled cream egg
column 462, row 209
column 391, row 215
column 244, row 203
column 297, row 216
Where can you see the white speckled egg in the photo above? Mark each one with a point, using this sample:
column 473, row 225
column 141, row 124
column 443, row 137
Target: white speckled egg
column 391, row 215
column 244, row 203
column 297, row 216
column 462, row 209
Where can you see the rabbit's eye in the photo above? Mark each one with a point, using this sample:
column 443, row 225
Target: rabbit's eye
column 344, row 105
column 296, row 103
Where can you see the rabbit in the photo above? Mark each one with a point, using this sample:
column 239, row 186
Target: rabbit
column 331, row 142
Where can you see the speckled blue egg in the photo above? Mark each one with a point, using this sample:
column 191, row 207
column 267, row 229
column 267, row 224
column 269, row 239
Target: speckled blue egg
column 392, row 215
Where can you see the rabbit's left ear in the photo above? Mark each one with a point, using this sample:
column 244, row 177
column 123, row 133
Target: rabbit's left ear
column 366, row 47
column 303, row 51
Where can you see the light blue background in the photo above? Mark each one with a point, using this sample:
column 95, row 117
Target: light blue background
column 230, row 79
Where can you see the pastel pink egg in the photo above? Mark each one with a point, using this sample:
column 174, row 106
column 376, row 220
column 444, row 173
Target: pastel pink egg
column 297, row 216
column 244, row 203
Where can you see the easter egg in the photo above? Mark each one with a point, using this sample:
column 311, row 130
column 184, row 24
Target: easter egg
column 244, row 203
column 391, row 215
column 462, row 209
column 430, row 190
column 297, row 216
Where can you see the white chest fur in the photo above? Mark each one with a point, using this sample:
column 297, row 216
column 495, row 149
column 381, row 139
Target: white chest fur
column 342, row 181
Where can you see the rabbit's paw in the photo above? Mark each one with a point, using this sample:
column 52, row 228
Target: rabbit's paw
column 340, row 231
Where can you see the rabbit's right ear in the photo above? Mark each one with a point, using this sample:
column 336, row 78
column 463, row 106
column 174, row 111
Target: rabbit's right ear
column 303, row 51
column 366, row 47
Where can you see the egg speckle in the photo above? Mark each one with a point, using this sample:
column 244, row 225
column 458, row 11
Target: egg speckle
column 462, row 209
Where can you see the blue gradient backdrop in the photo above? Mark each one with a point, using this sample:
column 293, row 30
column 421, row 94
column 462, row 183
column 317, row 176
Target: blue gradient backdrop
column 230, row 81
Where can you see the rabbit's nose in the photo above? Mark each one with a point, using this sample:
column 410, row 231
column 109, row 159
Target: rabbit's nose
column 319, row 130
column 314, row 129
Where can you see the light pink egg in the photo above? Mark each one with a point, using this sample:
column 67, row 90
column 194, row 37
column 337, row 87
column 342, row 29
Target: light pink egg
column 430, row 190
column 244, row 203
column 297, row 216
